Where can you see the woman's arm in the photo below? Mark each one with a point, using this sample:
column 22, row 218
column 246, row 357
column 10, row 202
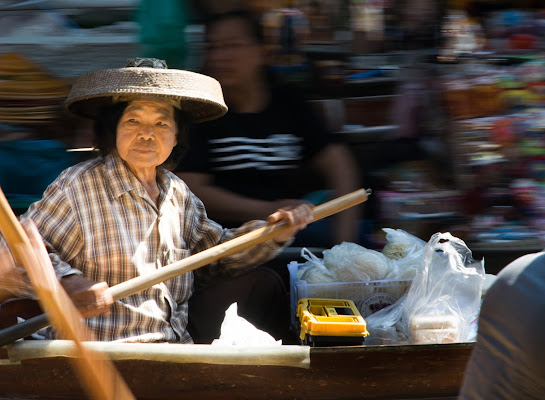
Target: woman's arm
column 339, row 168
column 222, row 204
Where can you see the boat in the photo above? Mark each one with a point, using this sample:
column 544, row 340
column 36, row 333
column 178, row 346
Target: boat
column 42, row 369
column 45, row 369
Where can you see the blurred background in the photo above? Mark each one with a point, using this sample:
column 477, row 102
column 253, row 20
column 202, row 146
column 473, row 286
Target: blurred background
column 442, row 102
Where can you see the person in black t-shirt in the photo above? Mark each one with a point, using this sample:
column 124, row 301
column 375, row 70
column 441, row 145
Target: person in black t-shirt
column 257, row 158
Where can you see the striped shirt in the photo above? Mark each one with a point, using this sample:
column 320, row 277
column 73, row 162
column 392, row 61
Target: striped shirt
column 98, row 219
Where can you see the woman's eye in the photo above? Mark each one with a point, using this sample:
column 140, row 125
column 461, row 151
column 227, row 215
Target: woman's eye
column 161, row 123
column 132, row 120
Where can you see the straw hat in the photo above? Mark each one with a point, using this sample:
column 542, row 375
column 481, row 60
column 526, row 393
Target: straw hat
column 198, row 94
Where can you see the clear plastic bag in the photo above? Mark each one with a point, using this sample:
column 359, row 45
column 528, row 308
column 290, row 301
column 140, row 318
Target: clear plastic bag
column 445, row 294
column 405, row 252
column 314, row 270
column 383, row 325
column 350, row 262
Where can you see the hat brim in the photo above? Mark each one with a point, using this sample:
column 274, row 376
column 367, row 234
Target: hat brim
column 200, row 95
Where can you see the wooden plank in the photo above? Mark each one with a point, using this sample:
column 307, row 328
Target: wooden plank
column 366, row 372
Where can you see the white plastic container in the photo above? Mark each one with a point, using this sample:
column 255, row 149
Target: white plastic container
column 368, row 297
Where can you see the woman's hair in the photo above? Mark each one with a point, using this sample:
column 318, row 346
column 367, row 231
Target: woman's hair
column 255, row 28
column 251, row 20
column 105, row 130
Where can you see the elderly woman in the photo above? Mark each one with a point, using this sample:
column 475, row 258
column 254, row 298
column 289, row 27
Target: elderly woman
column 124, row 214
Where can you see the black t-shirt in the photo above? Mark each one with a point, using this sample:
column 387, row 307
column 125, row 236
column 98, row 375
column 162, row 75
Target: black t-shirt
column 259, row 155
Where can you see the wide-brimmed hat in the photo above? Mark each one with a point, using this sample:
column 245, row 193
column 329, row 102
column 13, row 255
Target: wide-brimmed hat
column 198, row 94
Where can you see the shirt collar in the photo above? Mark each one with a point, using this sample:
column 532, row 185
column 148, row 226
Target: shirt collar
column 122, row 179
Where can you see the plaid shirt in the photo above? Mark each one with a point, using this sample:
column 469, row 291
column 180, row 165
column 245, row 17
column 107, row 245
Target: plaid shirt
column 99, row 220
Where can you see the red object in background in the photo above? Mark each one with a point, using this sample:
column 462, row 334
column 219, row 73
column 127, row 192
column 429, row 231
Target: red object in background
column 502, row 131
column 538, row 88
column 473, row 201
column 522, row 41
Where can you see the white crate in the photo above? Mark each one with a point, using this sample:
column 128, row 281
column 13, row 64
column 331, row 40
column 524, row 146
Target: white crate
column 368, row 297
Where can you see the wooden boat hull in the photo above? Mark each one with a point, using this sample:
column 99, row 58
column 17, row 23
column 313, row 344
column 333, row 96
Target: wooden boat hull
column 217, row 372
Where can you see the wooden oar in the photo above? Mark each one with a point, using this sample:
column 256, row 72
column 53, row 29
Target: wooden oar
column 99, row 376
column 195, row 261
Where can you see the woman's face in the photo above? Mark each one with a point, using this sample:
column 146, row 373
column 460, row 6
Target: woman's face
column 146, row 134
column 233, row 55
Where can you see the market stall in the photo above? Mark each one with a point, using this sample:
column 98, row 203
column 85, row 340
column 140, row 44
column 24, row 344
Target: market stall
column 492, row 198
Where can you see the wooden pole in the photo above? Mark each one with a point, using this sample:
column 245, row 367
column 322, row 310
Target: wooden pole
column 195, row 261
column 233, row 246
column 99, row 376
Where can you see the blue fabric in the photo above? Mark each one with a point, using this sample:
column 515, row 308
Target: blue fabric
column 162, row 30
column 27, row 167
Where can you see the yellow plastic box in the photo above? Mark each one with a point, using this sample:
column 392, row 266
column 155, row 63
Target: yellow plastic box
column 330, row 322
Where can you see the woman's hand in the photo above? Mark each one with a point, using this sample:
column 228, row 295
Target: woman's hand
column 15, row 281
column 296, row 218
column 90, row 298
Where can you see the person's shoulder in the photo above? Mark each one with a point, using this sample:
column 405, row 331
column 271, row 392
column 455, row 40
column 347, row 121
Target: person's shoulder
column 523, row 276
column 288, row 95
column 175, row 181
column 282, row 88
column 183, row 193
column 528, row 263
column 179, row 186
column 74, row 174
column 210, row 128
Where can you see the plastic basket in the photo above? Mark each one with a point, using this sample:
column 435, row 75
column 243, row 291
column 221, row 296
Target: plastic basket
column 368, row 297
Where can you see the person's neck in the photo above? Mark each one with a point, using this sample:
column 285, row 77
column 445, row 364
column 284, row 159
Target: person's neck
column 248, row 98
column 153, row 190
column 148, row 179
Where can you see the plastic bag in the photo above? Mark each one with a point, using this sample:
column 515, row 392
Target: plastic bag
column 445, row 294
column 236, row 330
column 401, row 244
column 405, row 252
column 314, row 270
column 383, row 325
column 350, row 262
